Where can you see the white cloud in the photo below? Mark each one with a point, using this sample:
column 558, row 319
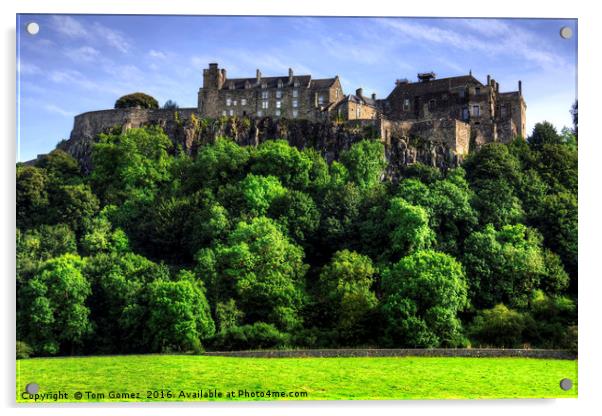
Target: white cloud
column 26, row 68
column 68, row 26
column 157, row 54
column 113, row 37
column 58, row 110
column 84, row 53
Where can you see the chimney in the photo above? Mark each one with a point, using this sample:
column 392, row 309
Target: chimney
column 359, row 92
column 373, row 96
column 488, row 80
column 520, row 87
column 497, row 87
column 224, row 73
column 258, row 74
column 290, row 75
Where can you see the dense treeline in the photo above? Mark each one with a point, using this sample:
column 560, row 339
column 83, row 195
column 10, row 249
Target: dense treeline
column 271, row 247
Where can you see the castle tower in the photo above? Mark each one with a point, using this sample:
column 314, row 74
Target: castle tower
column 213, row 81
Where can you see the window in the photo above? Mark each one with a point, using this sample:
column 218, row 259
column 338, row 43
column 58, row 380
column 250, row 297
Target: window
column 265, row 94
column 264, row 104
column 279, row 83
column 476, row 110
column 321, row 99
column 295, row 113
column 278, row 104
column 278, row 113
column 406, row 104
column 461, row 93
column 234, row 103
column 231, row 86
column 228, row 102
column 358, row 111
column 296, row 84
column 224, row 113
column 264, row 85
column 477, row 90
column 295, row 104
column 278, row 94
column 465, row 113
column 231, row 112
column 432, row 104
column 243, row 101
column 503, row 111
column 295, row 93
column 336, row 94
column 259, row 113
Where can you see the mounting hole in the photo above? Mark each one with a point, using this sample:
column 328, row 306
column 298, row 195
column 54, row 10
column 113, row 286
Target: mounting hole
column 32, row 28
column 566, row 384
column 32, row 388
column 566, row 32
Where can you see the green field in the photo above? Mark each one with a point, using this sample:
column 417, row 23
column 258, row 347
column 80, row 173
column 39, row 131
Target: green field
column 363, row 378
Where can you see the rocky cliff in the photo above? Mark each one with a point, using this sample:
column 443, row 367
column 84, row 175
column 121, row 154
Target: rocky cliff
column 404, row 144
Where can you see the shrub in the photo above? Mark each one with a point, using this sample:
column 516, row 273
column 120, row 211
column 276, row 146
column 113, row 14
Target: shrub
column 257, row 336
column 23, row 350
column 136, row 100
column 499, row 327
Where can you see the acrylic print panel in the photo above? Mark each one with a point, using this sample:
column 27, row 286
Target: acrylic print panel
column 295, row 208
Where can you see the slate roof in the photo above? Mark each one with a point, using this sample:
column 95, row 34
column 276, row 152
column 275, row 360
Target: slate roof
column 304, row 81
column 436, row 85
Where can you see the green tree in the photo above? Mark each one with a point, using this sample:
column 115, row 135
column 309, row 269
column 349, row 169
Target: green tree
column 119, row 307
column 179, row 315
column 346, row 286
column 258, row 193
column 74, row 205
column 260, row 269
column 499, row 327
column 365, row 161
column 60, row 167
column 278, row 158
column 54, row 306
column 134, row 160
column 504, row 266
column 408, row 228
column 32, row 196
column 544, row 133
column 422, row 294
column 136, row 100
column 298, row 213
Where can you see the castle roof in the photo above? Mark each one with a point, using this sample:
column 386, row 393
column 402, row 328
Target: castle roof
column 435, row 85
column 356, row 99
column 304, row 81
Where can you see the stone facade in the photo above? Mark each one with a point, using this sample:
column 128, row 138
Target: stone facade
column 492, row 116
column 355, row 107
column 292, row 96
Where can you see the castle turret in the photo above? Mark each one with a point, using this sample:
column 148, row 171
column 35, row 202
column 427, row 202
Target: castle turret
column 213, row 77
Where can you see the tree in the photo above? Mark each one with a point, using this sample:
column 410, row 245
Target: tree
column 258, row 193
column 136, row 160
column 278, row 158
column 61, row 167
column 365, row 161
column 298, row 213
column 101, row 237
column 504, row 266
column 409, row 229
column 54, row 306
column 498, row 327
column 170, row 105
column 346, row 286
column 136, row 100
column 216, row 164
column 179, row 315
column 544, row 133
column 260, row 269
column 74, row 205
column 422, row 294
column 32, row 196
column 119, row 306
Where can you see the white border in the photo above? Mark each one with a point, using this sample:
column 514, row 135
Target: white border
column 589, row 198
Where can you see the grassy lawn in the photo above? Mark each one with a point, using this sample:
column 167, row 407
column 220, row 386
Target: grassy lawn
column 363, row 378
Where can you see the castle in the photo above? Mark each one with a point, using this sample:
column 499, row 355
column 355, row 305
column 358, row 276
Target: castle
column 488, row 114
column 432, row 121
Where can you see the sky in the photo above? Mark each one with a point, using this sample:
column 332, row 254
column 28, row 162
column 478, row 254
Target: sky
column 79, row 63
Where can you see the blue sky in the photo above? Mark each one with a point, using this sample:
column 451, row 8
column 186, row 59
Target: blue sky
column 79, row 63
